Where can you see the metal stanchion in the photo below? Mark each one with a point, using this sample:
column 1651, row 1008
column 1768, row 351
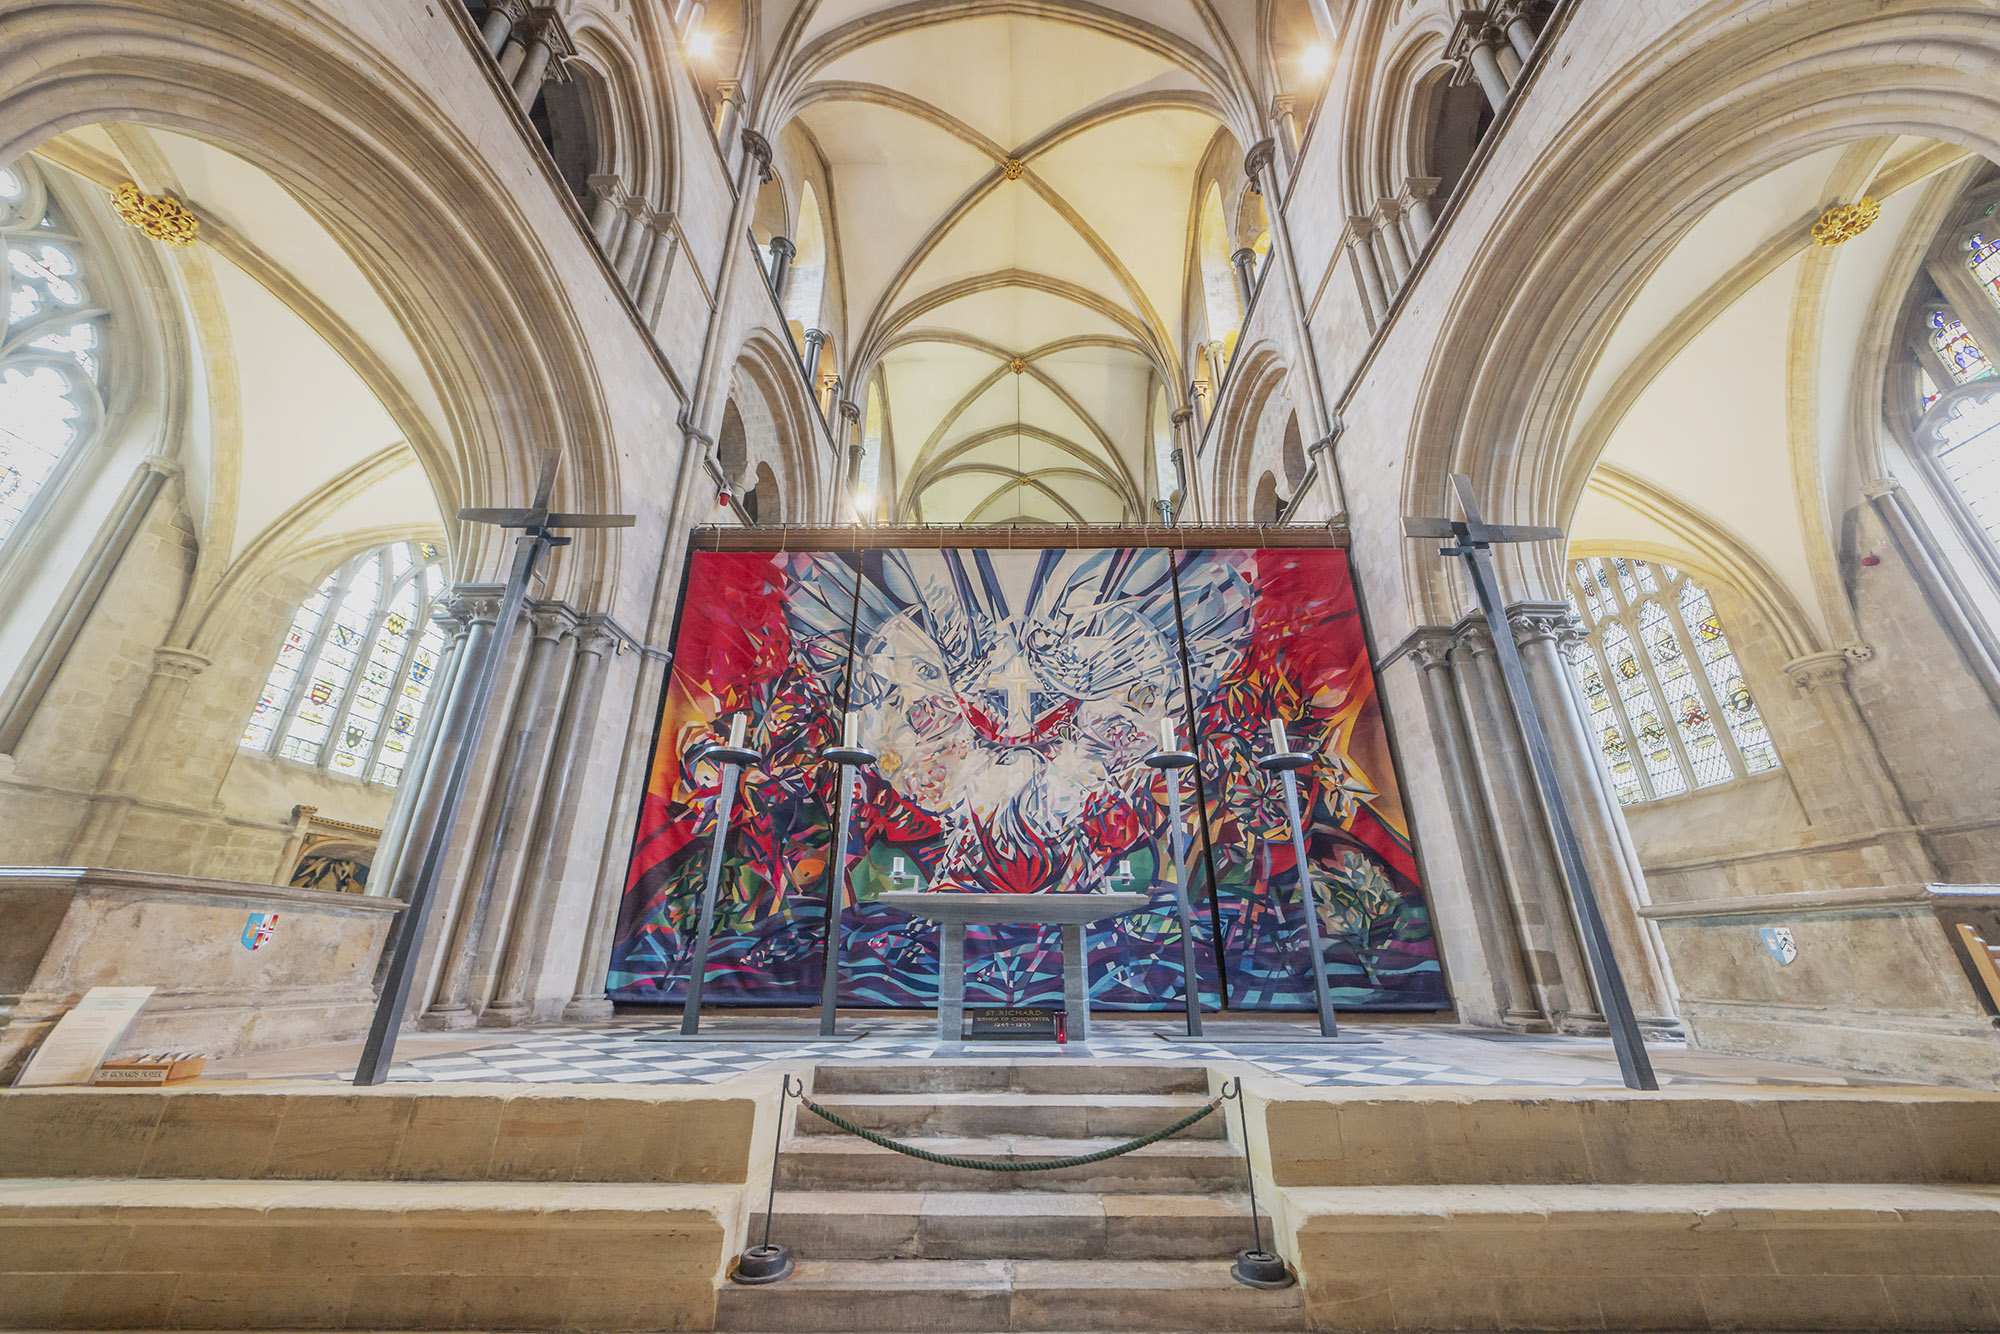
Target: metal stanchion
column 1170, row 760
column 1286, row 763
column 765, row 1263
column 1256, row 1267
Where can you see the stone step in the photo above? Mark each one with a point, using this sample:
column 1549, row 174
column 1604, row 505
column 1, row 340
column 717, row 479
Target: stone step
column 1739, row 1257
column 84, row 1253
column 1172, row 1167
column 1160, row 1297
column 1058, row 1115
column 1011, row 1077
column 1009, row 1225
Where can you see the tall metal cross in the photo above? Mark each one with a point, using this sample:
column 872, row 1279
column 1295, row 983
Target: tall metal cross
column 458, row 737
column 1472, row 541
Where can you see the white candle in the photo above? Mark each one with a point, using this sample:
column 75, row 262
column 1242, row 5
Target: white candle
column 1166, row 733
column 736, row 725
column 850, row 736
column 1279, row 744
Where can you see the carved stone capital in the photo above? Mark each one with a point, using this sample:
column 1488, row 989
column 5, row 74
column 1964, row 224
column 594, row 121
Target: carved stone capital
column 1284, row 104
column 1387, row 211
column 474, row 603
column 782, row 245
column 1532, row 622
column 545, row 24
column 1429, row 646
column 1818, row 670
column 1474, row 28
column 607, row 187
column 1244, row 256
column 551, row 620
column 1418, row 188
column 596, row 635
column 1259, row 157
column 757, row 146
column 184, row 663
column 1180, row 416
column 1359, row 228
column 815, row 338
column 850, row 410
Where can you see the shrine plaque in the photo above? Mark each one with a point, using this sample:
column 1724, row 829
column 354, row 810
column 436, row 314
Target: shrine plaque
column 1016, row 1021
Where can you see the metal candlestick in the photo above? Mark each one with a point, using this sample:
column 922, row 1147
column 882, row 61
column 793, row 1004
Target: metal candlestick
column 735, row 759
column 849, row 758
column 1170, row 763
column 1287, row 766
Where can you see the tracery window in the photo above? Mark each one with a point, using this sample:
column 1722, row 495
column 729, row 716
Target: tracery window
column 353, row 675
column 1657, row 674
column 1956, row 350
column 1984, row 259
column 1965, row 440
column 51, row 353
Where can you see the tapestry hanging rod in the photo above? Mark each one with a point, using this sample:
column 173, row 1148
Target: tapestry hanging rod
column 1040, row 537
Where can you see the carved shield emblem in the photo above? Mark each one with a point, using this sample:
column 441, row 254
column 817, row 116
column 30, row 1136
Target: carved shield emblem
column 1778, row 941
column 257, row 931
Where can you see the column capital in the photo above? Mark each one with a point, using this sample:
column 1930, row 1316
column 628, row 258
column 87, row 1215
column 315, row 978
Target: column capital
column 850, row 410
column 1533, row 622
column 829, row 381
column 184, row 663
column 782, row 245
column 607, row 187
column 551, row 620
column 1359, row 228
column 1880, row 487
column 1180, row 417
column 816, row 337
column 1418, row 189
column 1816, row 670
column 1475, row 28
column 1429, row 647
column 597, row 634
column 757, row 146
column 1284, row 104
column 473, row 603
column 544, row 23
column 1258, row 157
column 1387, row 210
column 1244, row 256
column 514, row 11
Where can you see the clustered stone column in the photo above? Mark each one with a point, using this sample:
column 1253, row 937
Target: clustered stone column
column 1245, row 261
column 638, row 240
column 782, row 251
column 533, row 50
column 1490, row 46
column 496, row 903
column 1540, row 979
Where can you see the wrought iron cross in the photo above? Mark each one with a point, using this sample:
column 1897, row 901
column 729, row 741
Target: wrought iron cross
column 1472, row 540
column 458, row 733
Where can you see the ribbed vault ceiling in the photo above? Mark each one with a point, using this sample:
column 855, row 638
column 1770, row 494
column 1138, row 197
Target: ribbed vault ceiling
column 955, row 274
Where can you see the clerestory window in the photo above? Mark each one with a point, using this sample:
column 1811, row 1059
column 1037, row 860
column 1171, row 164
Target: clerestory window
column 356, row 668
column 1662, row 688
column 51, row 353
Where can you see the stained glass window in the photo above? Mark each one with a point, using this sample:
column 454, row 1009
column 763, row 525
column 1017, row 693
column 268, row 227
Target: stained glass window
column 1985, row 261
column 1661, row 687
column 51, row 353
column 1952, row 341
column 356, row 667
column 1968, row 451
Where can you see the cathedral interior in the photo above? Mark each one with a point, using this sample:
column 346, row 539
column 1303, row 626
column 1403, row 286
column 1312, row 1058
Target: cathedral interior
column 521, row 518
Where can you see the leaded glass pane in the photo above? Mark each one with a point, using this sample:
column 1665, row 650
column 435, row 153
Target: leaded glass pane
column 378, row 681
column 1594, row 596
column 1970, row 456
column 1718, row 662
column 1954, row 346
column 1655, row 751
column 1927, row 387
column 284, row 675
column 340, row 652
column 1985, row 263
column 1604, row 725
column 402, row 733
column 1626, row 583
column 1683, row 697
column 48, row 404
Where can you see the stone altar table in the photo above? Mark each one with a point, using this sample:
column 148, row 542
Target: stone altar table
column 955, row 912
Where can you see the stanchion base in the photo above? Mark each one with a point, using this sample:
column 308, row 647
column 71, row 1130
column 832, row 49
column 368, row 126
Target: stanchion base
column 766, row 1264
column 1261, row 1269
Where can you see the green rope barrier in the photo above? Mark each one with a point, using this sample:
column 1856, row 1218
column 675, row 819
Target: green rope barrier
column 1007, row 1165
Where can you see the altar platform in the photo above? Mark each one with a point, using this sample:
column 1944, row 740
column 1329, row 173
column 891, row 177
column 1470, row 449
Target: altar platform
column 1408, row 1055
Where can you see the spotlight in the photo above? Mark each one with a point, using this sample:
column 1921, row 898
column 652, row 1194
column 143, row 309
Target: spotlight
column 701, row 44
column 1314, row 60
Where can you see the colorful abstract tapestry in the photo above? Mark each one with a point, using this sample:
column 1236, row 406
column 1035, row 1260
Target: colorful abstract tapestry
column 1012, row 697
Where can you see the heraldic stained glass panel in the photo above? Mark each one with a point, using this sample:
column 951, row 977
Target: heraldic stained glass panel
column 1953, row 343
column 1012, row 697
column 1653, row 631
column 361, row 649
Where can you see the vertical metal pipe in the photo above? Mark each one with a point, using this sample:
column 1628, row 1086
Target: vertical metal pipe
column 1321, row 995
column 1190, row 974
column 725, row 802
column 836, row 900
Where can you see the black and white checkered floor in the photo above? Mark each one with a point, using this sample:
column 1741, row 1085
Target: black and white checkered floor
column 621, row 1053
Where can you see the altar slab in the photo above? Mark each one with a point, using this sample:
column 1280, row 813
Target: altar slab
column 956, row 911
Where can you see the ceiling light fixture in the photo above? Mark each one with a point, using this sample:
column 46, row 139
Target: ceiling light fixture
column 701, row 44
column 1314, row 60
